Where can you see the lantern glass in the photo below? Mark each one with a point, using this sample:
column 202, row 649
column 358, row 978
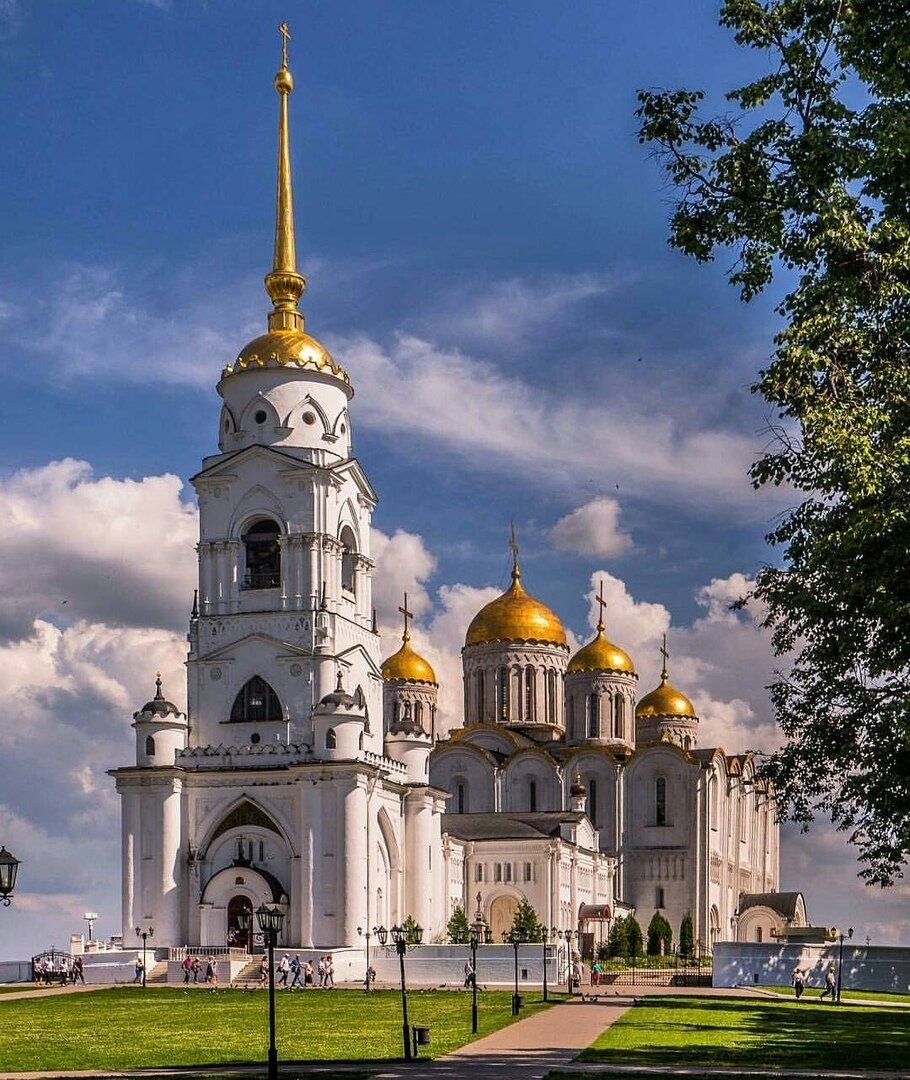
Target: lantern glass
column 415, row 935
column 488, row 936
column 381, row 933
column 474, row 939
column 9, row 868
column 244, row 918
column 397, row 934
column 270, row 919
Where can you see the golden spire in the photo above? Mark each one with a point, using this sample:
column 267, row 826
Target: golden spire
column 284, row 285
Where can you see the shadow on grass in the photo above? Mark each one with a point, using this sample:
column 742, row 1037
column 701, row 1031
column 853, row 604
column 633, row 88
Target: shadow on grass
column 718, row 1032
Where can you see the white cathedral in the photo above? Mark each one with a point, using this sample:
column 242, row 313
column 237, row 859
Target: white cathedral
column 309, row 773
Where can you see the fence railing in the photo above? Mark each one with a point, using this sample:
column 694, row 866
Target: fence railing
column 180, row 952
column 657, row 971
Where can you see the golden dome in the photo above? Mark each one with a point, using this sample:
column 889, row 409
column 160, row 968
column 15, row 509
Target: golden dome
column 407, row 665
column 286, row 348
column 515, row 616
column 600, row 655
column 665, row 700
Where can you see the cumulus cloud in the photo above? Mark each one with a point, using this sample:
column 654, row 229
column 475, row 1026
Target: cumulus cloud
column 77, row 546
column 403, row 564
column 593, row 529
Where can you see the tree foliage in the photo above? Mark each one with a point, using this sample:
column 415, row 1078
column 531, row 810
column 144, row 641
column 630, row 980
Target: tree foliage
column 807, row 179
column 635, row 945
column 686, row 935
column 457, row 927
column 526, row 924
column 660, row 936
column 618, row 938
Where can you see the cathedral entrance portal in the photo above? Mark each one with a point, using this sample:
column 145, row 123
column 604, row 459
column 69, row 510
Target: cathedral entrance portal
column 237, row 937
column 502, row 914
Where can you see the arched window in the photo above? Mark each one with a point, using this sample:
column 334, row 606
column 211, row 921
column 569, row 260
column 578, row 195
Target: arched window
column 529, row 696
column 592, row 802
column 396, row 712
column 360, row 741
column 479, row 678
column 593, row 716
column 551, row 697
column 149, row 746
column 348, row 551
column 504, row 694
column 256, row 702
column 263, row 555
column 461, row 799
column 660, row 801
column 532, row 795
column 418, row 712
column 330, row 739
column 619, row 716
column 659, row 896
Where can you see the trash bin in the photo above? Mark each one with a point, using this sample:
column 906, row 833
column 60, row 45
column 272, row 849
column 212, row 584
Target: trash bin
column 420, row 1037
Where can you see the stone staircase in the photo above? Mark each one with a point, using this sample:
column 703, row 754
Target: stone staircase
column 157, row 974
column 248, row 977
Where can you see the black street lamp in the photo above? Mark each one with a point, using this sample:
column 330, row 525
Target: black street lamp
column 570, row 962
column 270, row 921
column 367, row 934
column 145, row 935
column 840, row 959
column 481, row 934
column 547, row 935
column 515, row 938
column 9, row 868
column 402, row 937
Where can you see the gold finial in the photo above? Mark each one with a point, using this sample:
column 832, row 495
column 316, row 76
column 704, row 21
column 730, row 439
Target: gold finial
column 664, row 674
column 158, row 695
column 284, row 285
column 603, row 606
column 513, row 544
column 406, row 636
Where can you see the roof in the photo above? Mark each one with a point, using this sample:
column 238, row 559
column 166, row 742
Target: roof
column 500, row 826
column 784, row 903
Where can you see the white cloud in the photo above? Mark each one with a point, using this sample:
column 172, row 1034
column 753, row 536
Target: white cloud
column 592, row 529
column 403, row 564
column 76, row 546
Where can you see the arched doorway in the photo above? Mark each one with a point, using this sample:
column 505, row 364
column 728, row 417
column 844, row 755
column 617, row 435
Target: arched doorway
column 240, row 939
column 502, row 915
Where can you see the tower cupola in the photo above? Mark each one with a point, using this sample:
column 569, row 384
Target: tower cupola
column 339, row 723
column 666, row 714
column 161, row 730
column 409, row 686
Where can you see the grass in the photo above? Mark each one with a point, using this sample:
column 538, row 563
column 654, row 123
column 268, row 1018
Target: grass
column 17, row 988
column 128, row 1028
column 848, row 995
column 746, row 1032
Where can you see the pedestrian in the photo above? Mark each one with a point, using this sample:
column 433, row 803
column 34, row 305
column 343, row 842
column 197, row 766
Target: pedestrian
column 799, row 982
column 320, row 971
column 595, row 973
column 296, row 969
column 329, row 971
column 187, row 967
column 264, row 972
column 469, row 975
column 211, row 972
column 830, row 986
column 139, row 970
column 78, row 971
column 197, row 967
column 284, row 966
column 307, row 974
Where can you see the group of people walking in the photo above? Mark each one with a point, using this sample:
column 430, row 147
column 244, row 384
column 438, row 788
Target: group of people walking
column 58, row 970
column 193, row 967
column 295, row 974
column 800, row 980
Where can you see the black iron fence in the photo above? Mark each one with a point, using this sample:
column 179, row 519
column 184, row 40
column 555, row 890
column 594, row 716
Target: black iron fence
column 654, row 971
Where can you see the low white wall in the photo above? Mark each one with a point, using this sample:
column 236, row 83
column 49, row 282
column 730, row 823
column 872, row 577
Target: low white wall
column 12, row 971
column 438, row 965
column 866, row 967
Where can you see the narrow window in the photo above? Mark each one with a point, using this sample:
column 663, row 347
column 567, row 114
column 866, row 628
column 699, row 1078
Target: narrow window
column 504, row 694
column 149, row 746
column 263, row 555
column 532, row 795
column 261, row 851
column 508, row 871
column 348, row 552
column 497, row 872
column 478, row 872
column 479, row 678
column 619, row 716
column 529, row 696
column 330, row 739
column 418, row 712
column 527, row 871
column 460, row 798
column 659, row 896
column 396, row 712
column 758, row 934
column 256, row 702
column 551, row 696
column 360, row 742
column 592, row 801
column 660, row 801
column 593, row 716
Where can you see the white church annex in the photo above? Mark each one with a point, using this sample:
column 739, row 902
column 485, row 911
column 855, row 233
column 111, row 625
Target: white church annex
column 308, row 773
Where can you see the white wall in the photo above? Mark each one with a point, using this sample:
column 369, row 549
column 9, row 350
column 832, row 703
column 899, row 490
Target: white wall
column 866, row 967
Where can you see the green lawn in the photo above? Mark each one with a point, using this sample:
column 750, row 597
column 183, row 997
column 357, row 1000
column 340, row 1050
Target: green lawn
column 855, row 995
column 131, row 1028
column 744, row 1031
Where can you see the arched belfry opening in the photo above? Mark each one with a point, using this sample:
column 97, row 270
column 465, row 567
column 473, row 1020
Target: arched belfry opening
column 245, row 815
column 348, row 552
column 262, row 555
column 257, row 702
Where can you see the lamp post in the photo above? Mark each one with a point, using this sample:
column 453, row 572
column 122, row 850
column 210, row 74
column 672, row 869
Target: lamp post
column 480, row 934
column 402, row 937
column 145, row 935
column 840, row 959
column 9, row 868
column 546, row 935
column 515, row 938
column 367, row 935
column 270, row 921
column 570, row 963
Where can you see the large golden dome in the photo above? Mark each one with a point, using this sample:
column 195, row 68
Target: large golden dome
column 286, row 348
column 665, row 700
column 515, row 616
column 408, row 665
column 600, row 655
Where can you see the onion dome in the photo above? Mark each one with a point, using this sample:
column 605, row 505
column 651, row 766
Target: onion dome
column 407, row 665
column 577, row 790
column 159, row 705
column 665, row 700
column 286, row 348
column 515, row 616
column 339, row 698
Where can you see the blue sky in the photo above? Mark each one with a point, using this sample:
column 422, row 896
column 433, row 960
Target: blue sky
column 485, row 243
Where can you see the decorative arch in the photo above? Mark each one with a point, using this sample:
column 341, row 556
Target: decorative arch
column 392, row 853
column 349, row 549
column 342, row 419
column 261, row 554
column 307, row 404
column 246, row 814
column 256, row 502
column 259, row 414
column 503, row 909
column 256, row 703
column 215, row 824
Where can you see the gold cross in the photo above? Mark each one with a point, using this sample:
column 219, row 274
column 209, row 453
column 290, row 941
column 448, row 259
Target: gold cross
column 513, row 544
column 285, row 38
column 666, row 655
column 407, row 615
column 603, row 608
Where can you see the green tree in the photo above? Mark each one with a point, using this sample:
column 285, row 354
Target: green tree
column 618, row 938
column 410, row 928
column 660, row 936
column 808, row 178
column 457, row 928
column 635, row 945
column 526, row 923
column 686, row 935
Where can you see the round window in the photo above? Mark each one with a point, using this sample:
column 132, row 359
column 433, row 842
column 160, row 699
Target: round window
column 309, row 418
column 255, row 738
column 260, row 416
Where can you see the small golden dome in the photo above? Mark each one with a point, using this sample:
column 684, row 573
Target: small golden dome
column 286, row 348
column 515, row 616
column 407, row 665
column 600, row 655
column 665, row 700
